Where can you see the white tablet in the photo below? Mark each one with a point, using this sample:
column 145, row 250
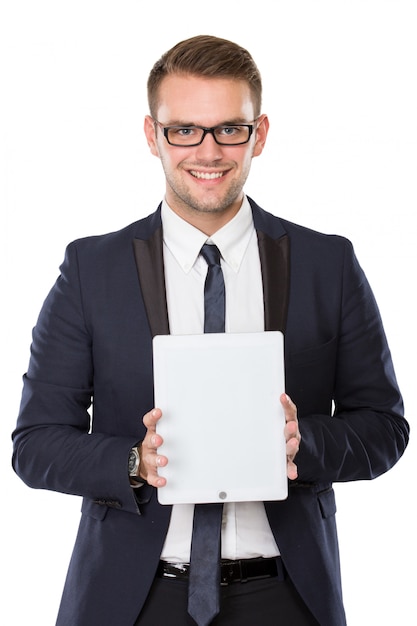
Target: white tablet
column 222, row 422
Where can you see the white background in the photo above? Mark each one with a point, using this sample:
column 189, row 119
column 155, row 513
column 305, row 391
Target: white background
column 340, row 91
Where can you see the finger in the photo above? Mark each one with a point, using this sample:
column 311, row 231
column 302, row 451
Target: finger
column 150, row 459
column 152, row 440
column 153, row 478
column 292, row 471
column 156, row 461
column 151, row 418
column 292, row 435
column 292, row 447
column 290, row 410
column 151, row 443
column 291, row 430
column 291, row 426
column 160, row 461
column 150, row 463
column 156, row 481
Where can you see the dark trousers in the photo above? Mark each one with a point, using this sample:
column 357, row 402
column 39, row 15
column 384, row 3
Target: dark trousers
column 267, row 602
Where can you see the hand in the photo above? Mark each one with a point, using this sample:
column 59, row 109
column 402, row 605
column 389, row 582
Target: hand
column 292, row 434
column 150, row 460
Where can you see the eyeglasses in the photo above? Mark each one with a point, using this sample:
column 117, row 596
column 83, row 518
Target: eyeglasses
column 224, row 135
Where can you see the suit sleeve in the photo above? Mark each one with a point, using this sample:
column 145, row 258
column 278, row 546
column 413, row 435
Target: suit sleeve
column 54, row 446
column 367, row 433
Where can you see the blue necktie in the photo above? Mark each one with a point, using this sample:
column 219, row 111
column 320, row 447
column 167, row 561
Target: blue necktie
column 214, row 293
column 204, row 580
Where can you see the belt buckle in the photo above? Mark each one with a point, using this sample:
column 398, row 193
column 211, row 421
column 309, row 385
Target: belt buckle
column 223, row 577
column 234, row 571
column 227, row 577
column 243, row 571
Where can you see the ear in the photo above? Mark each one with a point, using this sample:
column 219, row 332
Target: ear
column 261, row 135
column 150, row 132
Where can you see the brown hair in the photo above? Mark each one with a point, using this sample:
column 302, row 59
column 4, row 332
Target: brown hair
column 208, row 56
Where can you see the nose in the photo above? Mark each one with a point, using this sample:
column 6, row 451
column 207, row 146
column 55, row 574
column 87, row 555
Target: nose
column 208, row 149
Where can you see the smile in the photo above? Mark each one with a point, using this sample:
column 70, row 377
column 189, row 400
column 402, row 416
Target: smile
column 206, row 175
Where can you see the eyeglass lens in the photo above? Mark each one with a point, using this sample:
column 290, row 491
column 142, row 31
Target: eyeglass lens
column 193, row 135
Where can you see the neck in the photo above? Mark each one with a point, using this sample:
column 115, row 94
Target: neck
column 208, row 221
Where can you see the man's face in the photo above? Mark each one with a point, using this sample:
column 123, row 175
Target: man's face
column 209, row 178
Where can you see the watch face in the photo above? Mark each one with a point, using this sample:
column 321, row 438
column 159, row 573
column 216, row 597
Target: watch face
column 132, row 461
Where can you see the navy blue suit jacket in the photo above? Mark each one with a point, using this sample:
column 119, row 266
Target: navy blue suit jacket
column 93, row 341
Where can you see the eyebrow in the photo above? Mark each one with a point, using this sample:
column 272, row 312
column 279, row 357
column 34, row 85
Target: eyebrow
column 234, row 122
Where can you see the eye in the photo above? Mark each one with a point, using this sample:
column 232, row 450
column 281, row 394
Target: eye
column 186, row 131
column 230, row 131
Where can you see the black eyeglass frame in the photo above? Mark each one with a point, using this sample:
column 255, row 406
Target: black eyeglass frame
column 206, row 131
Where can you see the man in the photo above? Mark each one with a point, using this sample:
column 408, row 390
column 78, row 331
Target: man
column 93, row 339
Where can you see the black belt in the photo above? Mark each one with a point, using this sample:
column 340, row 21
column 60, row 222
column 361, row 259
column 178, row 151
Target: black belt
column 230, row 571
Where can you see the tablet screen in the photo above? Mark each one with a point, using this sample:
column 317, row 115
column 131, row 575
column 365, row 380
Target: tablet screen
column 222, row 418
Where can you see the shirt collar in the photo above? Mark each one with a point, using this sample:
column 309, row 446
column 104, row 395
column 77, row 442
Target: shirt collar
column 185, row 241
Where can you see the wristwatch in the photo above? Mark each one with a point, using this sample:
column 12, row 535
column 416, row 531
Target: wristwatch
column 134, row 462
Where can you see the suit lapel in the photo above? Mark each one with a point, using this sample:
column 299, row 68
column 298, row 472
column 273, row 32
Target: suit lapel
column 274, row 257
column 150, row 267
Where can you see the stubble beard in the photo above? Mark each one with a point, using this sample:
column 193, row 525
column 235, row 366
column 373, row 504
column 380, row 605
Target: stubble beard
column 189, row 202
column 211, row 203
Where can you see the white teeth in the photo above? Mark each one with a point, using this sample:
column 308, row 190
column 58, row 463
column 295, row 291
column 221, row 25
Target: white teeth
column 206, row 175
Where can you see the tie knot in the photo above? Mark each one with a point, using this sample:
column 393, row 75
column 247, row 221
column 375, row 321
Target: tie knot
column 211, row 254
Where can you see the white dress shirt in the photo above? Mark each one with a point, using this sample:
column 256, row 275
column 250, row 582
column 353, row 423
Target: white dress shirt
column 245, row 528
